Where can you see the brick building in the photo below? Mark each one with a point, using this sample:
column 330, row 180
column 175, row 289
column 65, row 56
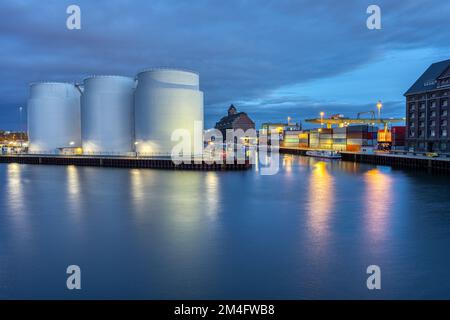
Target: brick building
column 427, row 110
column 234, row 120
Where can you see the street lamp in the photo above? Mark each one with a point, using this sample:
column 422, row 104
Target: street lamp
column 20, row 127
column 321, row 117
column 135, row 150
column 379, row 106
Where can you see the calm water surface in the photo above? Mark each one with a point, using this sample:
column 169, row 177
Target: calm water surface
column 309, row 231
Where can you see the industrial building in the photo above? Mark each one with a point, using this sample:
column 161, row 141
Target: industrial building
column 167, row 100
column 234, row 120
column 116, row 115
column 427, row 108
column 54, row 119
column 107, row 115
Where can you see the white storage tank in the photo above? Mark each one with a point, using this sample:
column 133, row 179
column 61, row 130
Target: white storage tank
column 53, row 117
column 107, row 115
column 166, row 100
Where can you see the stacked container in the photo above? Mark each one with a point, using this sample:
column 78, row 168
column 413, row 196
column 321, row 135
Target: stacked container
column 340, row 139
column 291, row 138
column 303, row 139
column 325, row 138
column 314, row 139
column 398, row 135
column 361, row 136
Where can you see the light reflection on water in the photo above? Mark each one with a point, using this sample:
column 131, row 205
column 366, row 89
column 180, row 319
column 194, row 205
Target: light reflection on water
column 14, row 183
column 321, row 199
column 307, row 232
column 378, row 201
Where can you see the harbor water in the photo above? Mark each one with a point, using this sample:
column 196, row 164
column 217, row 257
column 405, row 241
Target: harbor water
column 307, row 232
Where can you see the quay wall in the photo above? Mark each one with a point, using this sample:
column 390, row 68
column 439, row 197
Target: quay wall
column 399, row 161
column 121, row 162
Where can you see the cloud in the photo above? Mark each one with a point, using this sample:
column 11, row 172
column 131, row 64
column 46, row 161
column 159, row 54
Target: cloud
column 243, row 49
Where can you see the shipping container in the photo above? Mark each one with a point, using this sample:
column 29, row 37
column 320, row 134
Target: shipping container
column 353, row 148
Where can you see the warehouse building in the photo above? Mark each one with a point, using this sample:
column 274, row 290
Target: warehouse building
column 427, row 108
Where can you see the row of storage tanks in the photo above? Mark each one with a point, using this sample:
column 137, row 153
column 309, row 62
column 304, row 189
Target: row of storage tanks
column 351, row 138
column 115, row 115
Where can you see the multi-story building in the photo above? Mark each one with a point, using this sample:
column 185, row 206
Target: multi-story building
column 427, row 110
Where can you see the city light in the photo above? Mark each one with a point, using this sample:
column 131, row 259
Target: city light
column 379, row 106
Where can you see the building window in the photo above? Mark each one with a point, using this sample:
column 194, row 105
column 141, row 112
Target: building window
column 421, row 124
column 443, row 123
column 433, row 95
column 411, row 133
column 421, row 145
column 444, row 113
column 412, row 107
column 412, row 116
column 433, row 114
column 443, row 146
column 432, row 133
column 433, row 104
column 422, row 115
column 420, row 133
column 422, row 105
column 444, row 133
column 445, row 103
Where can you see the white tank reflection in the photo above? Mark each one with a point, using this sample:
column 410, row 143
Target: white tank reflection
column 211, row 186
column 73, row 188
column 15, row 192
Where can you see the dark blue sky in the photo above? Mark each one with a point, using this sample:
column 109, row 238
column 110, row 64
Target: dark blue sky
column 272, row 59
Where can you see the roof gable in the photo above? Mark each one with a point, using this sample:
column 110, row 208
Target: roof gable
column 429, row 79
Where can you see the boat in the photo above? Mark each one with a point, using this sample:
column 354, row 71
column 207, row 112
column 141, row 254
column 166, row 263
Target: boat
column 329, row 154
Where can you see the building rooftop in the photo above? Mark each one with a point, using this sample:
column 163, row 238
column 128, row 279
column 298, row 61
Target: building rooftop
column 228, row 120
column 428, row 80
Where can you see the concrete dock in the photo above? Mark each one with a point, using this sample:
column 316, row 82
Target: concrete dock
column 122, row 162
column 395, row 160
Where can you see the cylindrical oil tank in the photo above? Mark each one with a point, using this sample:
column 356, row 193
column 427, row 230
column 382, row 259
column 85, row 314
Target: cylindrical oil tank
column 53, row 117
column 107, row 115
column 167, row 100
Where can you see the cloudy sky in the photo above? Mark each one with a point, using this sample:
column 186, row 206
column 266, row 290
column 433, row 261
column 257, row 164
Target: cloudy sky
column 272, row 59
